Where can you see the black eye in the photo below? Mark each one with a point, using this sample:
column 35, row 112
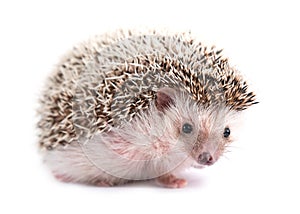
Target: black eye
column 187, row 128
column 226, row 132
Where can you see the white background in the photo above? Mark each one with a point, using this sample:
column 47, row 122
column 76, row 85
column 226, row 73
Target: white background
column 260, row 175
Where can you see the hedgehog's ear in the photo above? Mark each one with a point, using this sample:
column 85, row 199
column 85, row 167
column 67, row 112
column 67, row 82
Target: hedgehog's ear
column 165, row 98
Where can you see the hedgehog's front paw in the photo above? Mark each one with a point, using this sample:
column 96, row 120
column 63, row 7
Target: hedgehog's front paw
column 171, row 181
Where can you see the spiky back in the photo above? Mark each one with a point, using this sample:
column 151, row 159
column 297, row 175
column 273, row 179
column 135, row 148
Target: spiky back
column 112, row 78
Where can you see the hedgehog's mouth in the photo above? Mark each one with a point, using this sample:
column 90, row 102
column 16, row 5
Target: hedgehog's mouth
column 199, row 166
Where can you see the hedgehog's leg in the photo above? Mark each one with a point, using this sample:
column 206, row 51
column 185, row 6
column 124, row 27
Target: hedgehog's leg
column 171, row 181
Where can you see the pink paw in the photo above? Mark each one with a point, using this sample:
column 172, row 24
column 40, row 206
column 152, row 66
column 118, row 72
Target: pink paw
column 170, row 181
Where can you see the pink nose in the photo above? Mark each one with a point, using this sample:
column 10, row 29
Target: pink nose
column 205, row 158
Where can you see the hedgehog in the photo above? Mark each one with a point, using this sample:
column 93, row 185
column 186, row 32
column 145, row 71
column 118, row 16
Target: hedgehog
column 127, row 106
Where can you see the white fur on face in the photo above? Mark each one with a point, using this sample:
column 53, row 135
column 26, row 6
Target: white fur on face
column 208, row 124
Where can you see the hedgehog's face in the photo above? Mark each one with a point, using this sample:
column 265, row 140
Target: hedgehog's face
column 204, row 133
column 214, row 134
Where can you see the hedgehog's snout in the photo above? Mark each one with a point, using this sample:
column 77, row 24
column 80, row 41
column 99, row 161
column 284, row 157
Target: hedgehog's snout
column 205, row 158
